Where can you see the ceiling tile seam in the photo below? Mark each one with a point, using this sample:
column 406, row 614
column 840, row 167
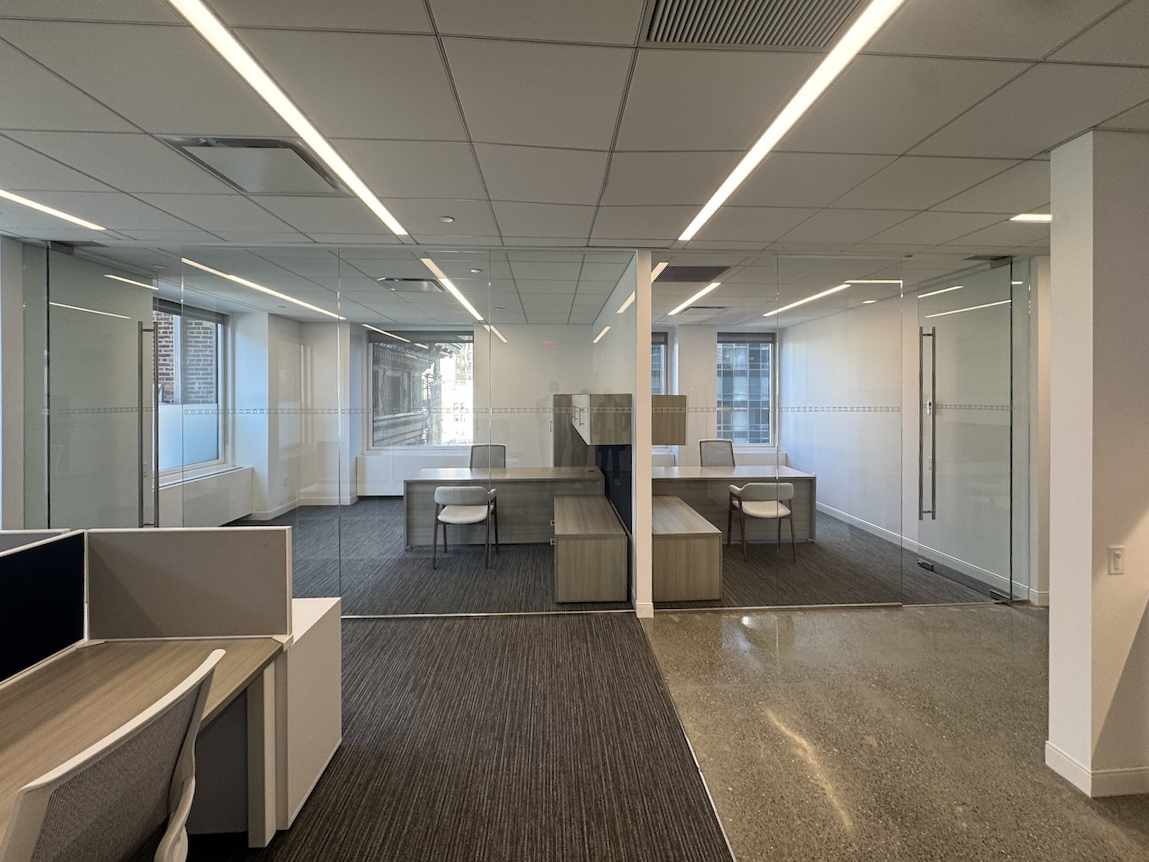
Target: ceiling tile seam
column 113, row 190
column 978, row 58
column 93, row 21
column 1087, row 27
column 445, row 60
column 578, row 282
column 622, row 103
column 934, row 206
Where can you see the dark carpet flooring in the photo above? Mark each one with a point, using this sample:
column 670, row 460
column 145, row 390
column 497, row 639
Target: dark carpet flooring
column 845, row 565
column 508, row 739
column 359, row 552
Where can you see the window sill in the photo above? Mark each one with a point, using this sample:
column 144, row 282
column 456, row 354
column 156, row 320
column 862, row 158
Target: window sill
column 199, row 473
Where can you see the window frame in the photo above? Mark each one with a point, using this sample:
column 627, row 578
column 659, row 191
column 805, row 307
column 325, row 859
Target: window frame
column 429, row 337
column 223, row 459
column 757, row 337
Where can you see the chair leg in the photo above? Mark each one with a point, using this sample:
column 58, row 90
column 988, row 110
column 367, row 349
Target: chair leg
column 793, row 544
column 779, row 535
column 495, row 512
column 446, row 550
column 730, row 523
column 487, row 544
column 742, row 522
column 435, row 545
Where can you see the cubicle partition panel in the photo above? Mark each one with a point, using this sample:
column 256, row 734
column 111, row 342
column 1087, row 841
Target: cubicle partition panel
column 42, row 611
column 10, row 539
column 189, row 583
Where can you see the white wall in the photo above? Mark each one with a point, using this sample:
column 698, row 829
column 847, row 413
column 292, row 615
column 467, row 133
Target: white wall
column 693, row 355
column 517, row 381
column 11, row 384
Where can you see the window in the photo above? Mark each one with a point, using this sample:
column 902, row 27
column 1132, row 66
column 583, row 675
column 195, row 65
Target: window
column 422, row 392
column 745, row 387
column 189, row 368
column 659, row 380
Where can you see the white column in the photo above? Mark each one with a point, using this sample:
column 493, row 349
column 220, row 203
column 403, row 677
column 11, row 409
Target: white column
column 1099, row 455
column 642, row 492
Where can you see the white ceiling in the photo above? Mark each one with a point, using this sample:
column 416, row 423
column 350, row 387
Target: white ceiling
column 549, row 123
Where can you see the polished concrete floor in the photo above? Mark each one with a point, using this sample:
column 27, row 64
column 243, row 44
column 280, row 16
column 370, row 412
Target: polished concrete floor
column 877, row 734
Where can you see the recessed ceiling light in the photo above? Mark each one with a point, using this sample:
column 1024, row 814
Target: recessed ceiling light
column 259, row 287
column 475, row 270
column 1036, row 218
column 854, row 39
column 447, row 219
column 89, row 310
column 874, row 281
column 388, row 334
column 970, row 308
column 599, row 337
column 447, row 283
column 220, row 38
column 943, row 290
column 498, row 334
column 130, row 281
column 52, row 211
column 1016, row 283
column 714, row 285
column 868, row 301
column 807, row 299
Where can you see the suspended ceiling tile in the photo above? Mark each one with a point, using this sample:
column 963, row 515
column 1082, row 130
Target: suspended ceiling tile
column 91, row 10
column 111, row 210
column 418, row 169
column 932, row 228
column 117, row 63
column 541, row 95
column 542, row 175
column 421, row 216
column 666, row 179
column 614, row 223
column 844, row 226
column 323, row 214
column 131, row 163
column 805, row 179
column 608, row 21
column 1042, row 108
column 1020, row 189
column 752, row 224
column 987, row 28
column 888, row 104
column 22, row 169
column 57, row 104
column 918, row 183
column 672, row 103
column 543, row 220
column 1006, row 233
column 393, row 15
column 362, row 85
column 1135, row 119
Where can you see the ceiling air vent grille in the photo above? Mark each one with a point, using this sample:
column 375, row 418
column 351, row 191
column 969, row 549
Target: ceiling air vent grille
column 767, row 23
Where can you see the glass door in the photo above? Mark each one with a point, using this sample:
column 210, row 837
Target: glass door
column 962, row 548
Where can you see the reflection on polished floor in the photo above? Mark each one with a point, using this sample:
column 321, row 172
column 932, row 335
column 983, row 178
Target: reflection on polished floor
column 359, row 552
column 845, row 565
column 913, row 733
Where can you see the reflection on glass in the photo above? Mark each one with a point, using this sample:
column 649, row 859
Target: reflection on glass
column 422, row 391
column 745, row 386
column 189, row 384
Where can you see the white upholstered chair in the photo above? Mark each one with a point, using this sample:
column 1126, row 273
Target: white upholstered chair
column 111, row 800
column 716, row 453
column 765, row 501
column 463, row 505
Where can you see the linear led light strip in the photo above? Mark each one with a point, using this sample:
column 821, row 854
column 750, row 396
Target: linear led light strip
column 1035, row 218
column 52, row 211
column 89, row 310
column 654, row 274
column 860, row 32
column 130, row 281
column 251, row 284
column 220, row 38
column 714, row 285
column 874, row 281
column 600, row 336
column 943, row 290
column 498, row 334
column 388, row 334
column 832, row 290
column 447, row 283
column 971, row 308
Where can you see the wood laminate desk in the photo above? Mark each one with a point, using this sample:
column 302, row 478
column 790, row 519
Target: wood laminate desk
column 687, row 553
column 57, row 711
column 707, row 491
column 525, row 500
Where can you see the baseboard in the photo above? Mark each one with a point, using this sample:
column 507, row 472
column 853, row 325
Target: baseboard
column 854, row 521
column 328, row 500
column 1096, row 783
column 268, row 514
column 644, row 610
column 1039, row 598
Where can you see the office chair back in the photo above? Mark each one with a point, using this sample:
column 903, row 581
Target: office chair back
column 493, row 456
column 463, row 495
column 753, row 492
column 111, row 800
column 716, row 453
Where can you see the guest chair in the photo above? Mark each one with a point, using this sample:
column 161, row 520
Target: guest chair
column 716, row 453
column 493, row 456
column 765, row 501
column 111, row 801
column 462, row 505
